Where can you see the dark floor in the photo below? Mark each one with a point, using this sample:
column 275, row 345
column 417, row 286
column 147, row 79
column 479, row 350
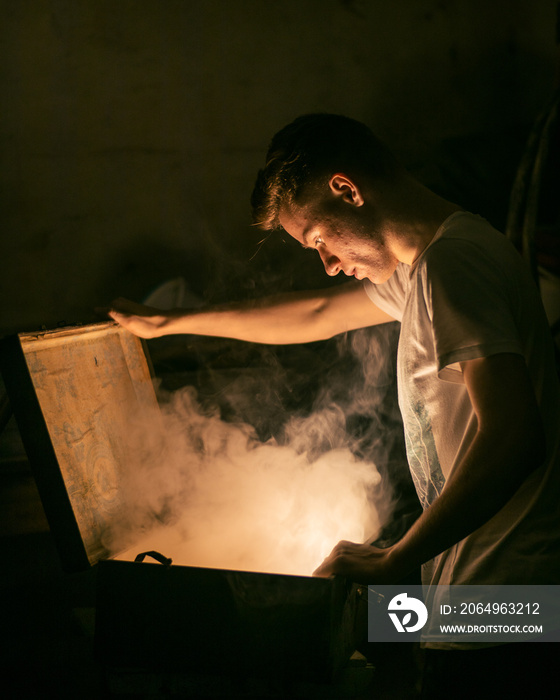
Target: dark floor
column 48, row 619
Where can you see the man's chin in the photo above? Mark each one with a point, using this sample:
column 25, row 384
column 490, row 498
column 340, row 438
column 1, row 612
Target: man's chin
column 378, row 278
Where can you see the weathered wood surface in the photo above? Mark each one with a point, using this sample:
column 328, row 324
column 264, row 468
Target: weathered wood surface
column 93, row 385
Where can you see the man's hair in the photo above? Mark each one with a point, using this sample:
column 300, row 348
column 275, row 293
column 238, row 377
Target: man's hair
column 304, row 154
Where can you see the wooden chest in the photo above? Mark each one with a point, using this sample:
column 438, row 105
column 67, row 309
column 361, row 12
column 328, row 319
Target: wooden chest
column 73, row 391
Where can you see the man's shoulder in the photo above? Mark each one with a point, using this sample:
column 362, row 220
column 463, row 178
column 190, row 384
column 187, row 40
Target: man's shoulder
column 468, row 240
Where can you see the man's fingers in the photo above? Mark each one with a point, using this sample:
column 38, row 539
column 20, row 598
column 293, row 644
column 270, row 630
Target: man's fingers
column 322, row 571
column 111, row 312
column 121, row 305
column 125, row 307
column 335, row 560
column 115, row 315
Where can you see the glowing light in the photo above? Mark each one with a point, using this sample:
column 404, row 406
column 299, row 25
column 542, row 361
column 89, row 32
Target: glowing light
column 240, row 504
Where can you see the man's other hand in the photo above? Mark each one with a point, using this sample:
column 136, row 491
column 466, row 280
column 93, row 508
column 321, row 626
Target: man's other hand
column 362, row 563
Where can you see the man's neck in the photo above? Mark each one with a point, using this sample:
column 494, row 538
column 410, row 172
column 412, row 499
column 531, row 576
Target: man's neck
column 417, row 221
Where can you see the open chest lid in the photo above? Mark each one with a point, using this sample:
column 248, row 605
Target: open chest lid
column 73, row 392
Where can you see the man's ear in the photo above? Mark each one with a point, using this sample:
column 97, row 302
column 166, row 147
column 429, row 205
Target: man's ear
column 343, row 186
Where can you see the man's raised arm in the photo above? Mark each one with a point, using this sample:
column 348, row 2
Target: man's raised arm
column 295, row 317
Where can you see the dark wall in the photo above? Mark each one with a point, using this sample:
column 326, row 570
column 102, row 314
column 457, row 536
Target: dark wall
column 131, row 130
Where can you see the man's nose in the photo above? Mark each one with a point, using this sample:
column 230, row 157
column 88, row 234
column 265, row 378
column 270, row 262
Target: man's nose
column 330, row 261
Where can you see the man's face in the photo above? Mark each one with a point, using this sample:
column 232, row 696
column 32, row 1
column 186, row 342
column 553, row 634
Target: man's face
column 348, row 243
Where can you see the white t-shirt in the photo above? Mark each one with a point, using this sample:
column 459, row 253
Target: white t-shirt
column 470, row 295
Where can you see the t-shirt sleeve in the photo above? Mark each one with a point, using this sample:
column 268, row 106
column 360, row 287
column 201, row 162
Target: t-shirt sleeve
column 390, row 296
column 471, row 305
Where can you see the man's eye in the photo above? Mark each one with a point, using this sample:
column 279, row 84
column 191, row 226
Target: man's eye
column 318, row 241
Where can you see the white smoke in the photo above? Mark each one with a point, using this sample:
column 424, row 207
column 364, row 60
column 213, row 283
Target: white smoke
column 208, row 493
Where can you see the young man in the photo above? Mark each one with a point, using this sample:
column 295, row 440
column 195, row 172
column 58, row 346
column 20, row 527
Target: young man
column 478, row 388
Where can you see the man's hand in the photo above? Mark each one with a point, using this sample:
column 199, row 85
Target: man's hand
column 362, row 563
column 143, row 321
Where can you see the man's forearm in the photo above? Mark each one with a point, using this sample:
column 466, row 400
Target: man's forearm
column 293, row 318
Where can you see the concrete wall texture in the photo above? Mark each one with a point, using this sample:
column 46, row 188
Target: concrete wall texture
column 131, row 130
